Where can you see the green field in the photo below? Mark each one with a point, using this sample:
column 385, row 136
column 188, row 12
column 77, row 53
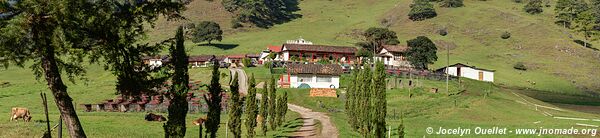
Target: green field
column 24, row 92
column 470, row 109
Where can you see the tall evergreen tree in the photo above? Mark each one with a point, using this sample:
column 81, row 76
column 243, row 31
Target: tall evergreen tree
column 595, row 7
column 359, row 98
column 281, row 108
column 251, row 111
column 367, row 108
column 585, row 24
column 213, row 99
column 119, row 27
column 264, row 109
column 380, row 102
column 235, row 106
column 175, row 126
column 351, row 100
column 564, row 11
column 272, row 103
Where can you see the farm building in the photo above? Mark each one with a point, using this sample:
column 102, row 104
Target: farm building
column 201, row 60
column 265, row 53
column 393, row 55
column 472, row 72
column 155, row 61
column 314, row 53
column 313, row 75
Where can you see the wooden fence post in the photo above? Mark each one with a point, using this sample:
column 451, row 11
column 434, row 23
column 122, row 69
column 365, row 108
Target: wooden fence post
column 45, row 103
column 60, row 126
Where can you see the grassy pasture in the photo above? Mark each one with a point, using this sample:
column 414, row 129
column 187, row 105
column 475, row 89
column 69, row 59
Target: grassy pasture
column 24, row 92
column 555, row 63
column 481, row 105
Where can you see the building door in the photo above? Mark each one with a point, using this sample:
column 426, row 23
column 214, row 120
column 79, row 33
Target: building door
column 458, row 71
column 480, row 75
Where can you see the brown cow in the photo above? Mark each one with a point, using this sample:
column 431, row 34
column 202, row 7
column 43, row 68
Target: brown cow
column 155, row 117
column 199, row 121
column 19, row 112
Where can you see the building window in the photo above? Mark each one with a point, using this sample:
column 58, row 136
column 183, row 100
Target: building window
column 323, row 79
column 304, row 79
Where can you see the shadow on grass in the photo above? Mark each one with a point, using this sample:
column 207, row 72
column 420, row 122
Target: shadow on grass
column 288, row 128
column 221, row 46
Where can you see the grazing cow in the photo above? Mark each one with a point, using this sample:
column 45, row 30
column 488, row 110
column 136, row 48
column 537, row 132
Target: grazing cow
column 199, row 121
column 155, row 117
column 19, row 112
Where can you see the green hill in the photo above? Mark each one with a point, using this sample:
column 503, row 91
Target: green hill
column 556, row 63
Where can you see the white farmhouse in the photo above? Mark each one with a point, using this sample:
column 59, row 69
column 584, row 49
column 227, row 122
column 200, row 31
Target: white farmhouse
column 314, row 75
column 155, row 61
column 472, row 72
column 393, row 55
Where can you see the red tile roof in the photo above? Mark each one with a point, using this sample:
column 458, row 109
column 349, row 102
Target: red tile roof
column 274, row 48
column 322, row 69
column 237, row 56
column 395, row 48
column 320, row 48
column 200, row 58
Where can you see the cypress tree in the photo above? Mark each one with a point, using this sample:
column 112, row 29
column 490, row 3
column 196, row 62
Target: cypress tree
column 380, row 103
column 359, row 98
column 264, row 112
column 282, row 108
column 214, row 102
column 235, row 112
column 175, row 126
column 366, row 103
column 351, row 101
column 251, row 111
column 272, row 103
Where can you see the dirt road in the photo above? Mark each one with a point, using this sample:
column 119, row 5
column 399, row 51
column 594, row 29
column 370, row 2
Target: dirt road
column 309, row 127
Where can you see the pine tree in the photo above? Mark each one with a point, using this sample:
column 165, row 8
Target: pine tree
column 282, row 108
column 175, row 126
column 380, row 103
column 214, row 102
column 351, row 100
column 272, row 103
column 367, row 108
column 595, row 7
column 235, row 106
column 585, row 24
column 251, row 111
column 264, row 111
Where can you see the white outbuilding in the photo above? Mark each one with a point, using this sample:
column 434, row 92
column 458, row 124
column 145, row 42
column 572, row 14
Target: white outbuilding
column 314, row 75
column 471, row 72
